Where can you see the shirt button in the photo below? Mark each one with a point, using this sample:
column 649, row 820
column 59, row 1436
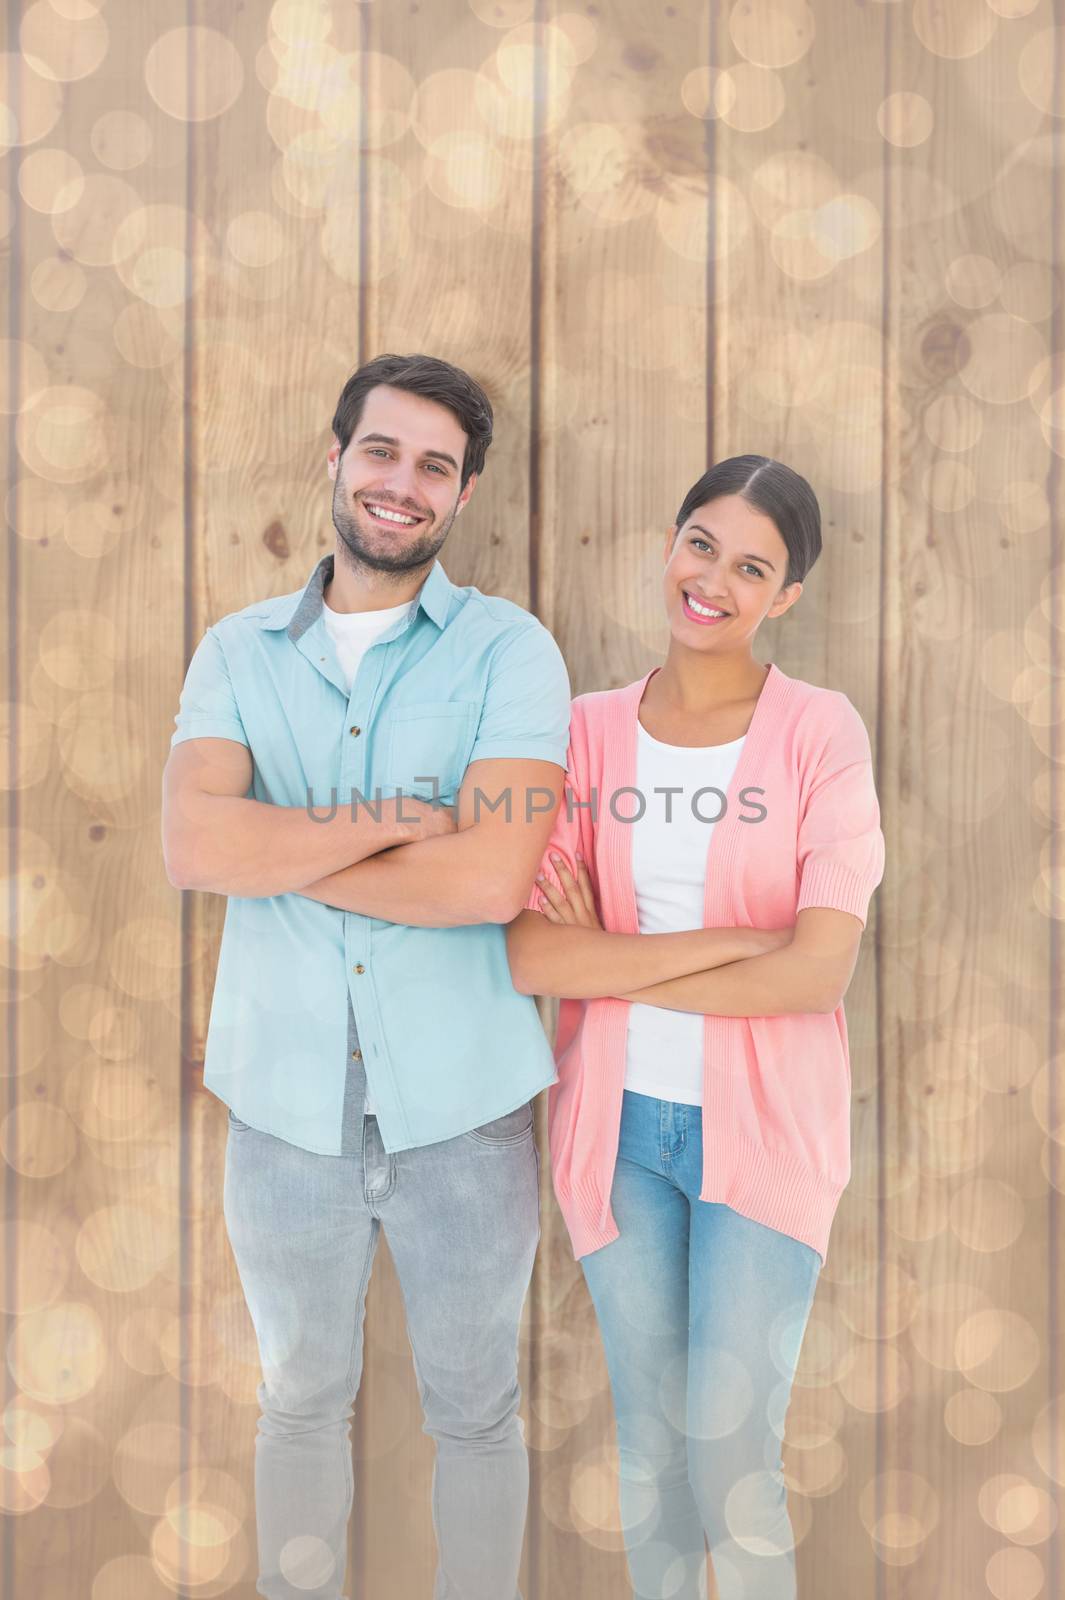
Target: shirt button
column 359, row 967
column 354, row 730
column 356, row 1055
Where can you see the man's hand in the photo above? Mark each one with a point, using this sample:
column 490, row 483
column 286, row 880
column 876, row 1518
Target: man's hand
column 419, row 819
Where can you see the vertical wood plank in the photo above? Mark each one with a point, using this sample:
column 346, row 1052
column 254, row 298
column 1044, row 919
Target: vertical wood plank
column 799, row 375
column 623, row 265
column 448, row 162
column 92, row 1140
column 970, row 1323
column 267, row 360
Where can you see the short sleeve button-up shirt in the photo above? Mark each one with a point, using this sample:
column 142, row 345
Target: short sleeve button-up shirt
column 447, row 1041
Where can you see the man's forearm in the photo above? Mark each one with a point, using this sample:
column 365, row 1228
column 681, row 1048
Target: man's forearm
column 778, row 983
column 431, row 883
column 254, row 849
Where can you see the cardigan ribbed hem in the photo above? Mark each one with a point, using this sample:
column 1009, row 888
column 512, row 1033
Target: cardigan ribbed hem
column 764, row 1185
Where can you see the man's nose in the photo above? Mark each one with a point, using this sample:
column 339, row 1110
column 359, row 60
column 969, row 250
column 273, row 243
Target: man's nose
column 401, row 479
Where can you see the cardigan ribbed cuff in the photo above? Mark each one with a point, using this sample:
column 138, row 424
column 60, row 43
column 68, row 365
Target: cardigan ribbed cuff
column 835, row 885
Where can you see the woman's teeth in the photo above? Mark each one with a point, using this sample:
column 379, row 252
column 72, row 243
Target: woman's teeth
column 700, row 612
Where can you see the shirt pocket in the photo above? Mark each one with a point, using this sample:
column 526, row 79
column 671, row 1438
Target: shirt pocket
column 427, row 741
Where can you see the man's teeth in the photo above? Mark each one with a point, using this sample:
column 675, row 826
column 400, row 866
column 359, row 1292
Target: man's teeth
column 392, row 516
column 704, row 611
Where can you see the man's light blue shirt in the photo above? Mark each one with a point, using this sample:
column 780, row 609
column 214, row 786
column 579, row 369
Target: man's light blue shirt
column 447, row 1041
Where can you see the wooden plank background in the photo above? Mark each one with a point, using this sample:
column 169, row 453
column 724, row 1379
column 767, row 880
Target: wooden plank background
column 659, row 234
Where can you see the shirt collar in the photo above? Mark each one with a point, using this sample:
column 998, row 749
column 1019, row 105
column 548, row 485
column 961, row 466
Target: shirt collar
column 296, row 612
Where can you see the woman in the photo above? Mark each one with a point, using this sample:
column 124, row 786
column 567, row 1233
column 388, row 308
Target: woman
column 699, row 914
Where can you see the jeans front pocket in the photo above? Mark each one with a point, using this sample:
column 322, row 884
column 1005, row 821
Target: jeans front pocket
column 236, row 1124
column 511, row 1128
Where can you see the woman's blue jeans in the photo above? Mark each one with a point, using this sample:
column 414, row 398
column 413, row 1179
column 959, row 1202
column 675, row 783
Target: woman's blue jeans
column 702, row 1313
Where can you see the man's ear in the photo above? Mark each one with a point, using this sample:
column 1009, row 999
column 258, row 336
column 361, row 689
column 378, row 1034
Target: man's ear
column 333, row 457
column 465, row 495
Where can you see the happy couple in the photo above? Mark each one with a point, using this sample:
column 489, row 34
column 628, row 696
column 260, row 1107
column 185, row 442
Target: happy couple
column 699, row 1082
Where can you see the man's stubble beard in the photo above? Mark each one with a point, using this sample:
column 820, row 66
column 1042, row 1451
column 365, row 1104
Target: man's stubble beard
column 358, row 557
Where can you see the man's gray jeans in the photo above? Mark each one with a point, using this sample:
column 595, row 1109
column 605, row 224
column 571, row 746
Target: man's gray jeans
column 462, row 1221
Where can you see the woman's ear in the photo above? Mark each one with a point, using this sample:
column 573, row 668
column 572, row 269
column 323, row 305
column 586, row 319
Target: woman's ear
column 671, row 533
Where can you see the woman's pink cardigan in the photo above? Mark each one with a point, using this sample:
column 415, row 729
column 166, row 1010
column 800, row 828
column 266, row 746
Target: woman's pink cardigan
column 776, row 1090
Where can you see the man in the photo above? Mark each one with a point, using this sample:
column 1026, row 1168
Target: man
column 377, row 1061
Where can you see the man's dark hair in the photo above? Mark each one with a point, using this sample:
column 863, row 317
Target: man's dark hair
column 775, row 490
column 431, row 378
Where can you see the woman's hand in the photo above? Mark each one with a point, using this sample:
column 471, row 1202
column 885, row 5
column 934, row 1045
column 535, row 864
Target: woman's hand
column 575, row 906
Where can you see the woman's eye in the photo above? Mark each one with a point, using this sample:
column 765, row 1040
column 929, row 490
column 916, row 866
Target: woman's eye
column 748, row 566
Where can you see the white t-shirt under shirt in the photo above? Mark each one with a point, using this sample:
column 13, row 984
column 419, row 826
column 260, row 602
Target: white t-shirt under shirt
column 665, row 1048
column 352, row 633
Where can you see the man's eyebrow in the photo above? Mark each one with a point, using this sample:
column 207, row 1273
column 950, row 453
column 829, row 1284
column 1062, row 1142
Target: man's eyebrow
column 383, row 438
column 749, row 556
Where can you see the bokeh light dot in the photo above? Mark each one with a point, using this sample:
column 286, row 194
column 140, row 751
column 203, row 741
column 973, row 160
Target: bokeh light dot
column 1003, row 351
column 63, row 434
column 953, row 422
column 120, row 140
column 87, row 229
column 954, row 29
column 144, row 338
column 581, row 32
column 986, row 1214
column 1035, row 69
column 38, row 1140
column 772, row 33
column 997, row 1350
column 147, row 1459
column 749, row 98
column 1014, row 1574
column 255, row 238
column 503, row 13
column 707, row 92
column 1028, row 290
column 51, row 180
column 123, row 1576
column 62, row 48
column 215, row 81
column 30, row 104
column 57, row 1354
column 905, row 119
column 306, row 1562
column 39, row 1263
column 972, row 1416
column 57, row 284
column 973, row 281
column 908, row 1507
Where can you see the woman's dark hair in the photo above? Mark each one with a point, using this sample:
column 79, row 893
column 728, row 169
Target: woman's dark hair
column 774, row 490
column 431, row 378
